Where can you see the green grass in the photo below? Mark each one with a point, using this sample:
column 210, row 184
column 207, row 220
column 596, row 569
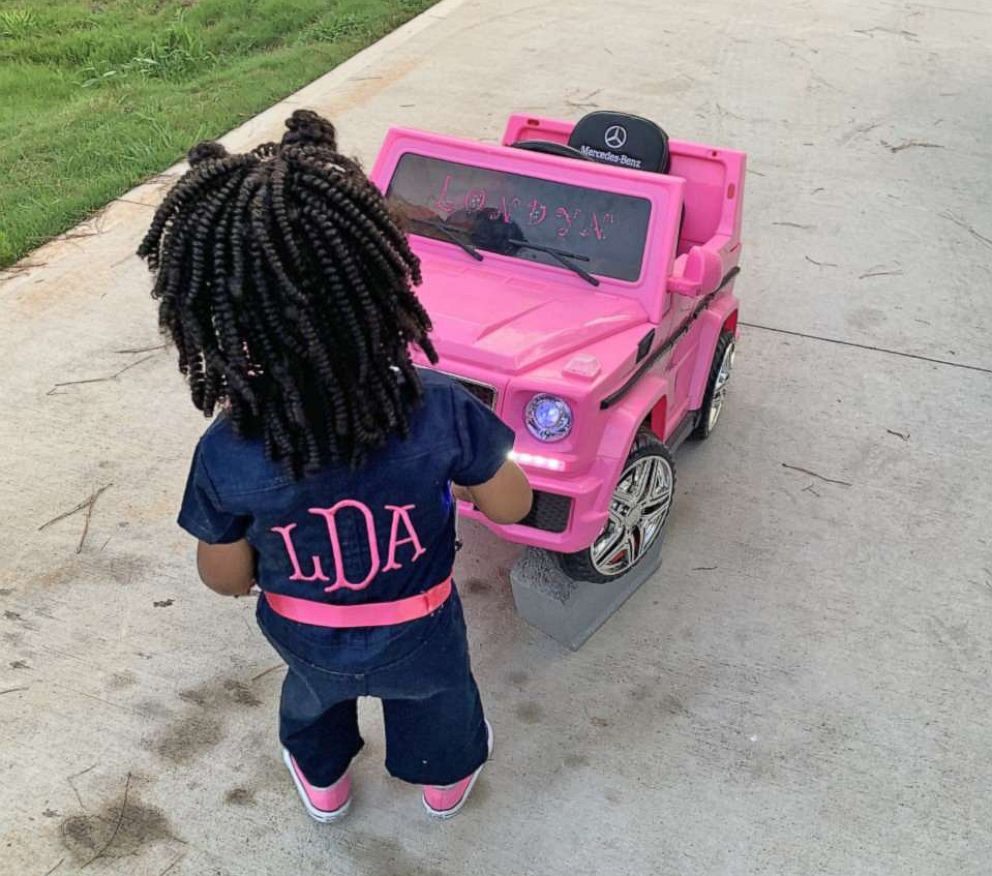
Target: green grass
column 96, row 95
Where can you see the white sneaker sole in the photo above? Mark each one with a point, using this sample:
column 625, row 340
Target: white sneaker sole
column 316, row 814
column 451, row 813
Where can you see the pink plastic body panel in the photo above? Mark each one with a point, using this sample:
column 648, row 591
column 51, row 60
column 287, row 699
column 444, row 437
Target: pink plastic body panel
column 524, row 327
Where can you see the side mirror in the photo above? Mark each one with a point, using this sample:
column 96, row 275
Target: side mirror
column 702, row 273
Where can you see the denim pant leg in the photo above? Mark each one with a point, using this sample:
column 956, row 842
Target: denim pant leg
column 438, row 740
column 435, row 727
column 318, row 713
column 322, row 735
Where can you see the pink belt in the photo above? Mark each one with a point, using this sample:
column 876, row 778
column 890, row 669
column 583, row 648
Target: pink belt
column 367, row 614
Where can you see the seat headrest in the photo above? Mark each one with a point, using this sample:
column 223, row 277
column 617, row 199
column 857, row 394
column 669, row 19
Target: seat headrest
column 623, row 140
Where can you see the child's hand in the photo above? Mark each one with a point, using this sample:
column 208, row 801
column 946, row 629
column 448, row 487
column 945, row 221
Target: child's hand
column 233, row 589
column 227, row 569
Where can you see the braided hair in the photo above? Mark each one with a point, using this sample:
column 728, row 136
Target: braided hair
column 286, row 287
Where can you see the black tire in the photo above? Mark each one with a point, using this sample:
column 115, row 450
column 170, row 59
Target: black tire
column 582, row 565
column 706, row 421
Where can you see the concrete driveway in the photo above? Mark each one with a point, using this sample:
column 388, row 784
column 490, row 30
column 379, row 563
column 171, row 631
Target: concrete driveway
column 804, row 688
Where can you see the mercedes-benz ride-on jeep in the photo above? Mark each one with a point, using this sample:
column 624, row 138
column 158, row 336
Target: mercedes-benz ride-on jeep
column 580, row 281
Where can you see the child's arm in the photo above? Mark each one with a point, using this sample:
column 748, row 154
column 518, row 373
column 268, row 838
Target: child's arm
column 227, row 569
column 504, row 498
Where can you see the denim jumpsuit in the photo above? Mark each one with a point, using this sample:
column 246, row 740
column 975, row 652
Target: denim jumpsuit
column 383, row 532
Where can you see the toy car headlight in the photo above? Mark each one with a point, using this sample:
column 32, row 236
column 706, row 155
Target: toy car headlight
column 548, row 417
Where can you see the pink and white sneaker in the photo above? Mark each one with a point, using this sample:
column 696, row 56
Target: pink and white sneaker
column 444, row 801
column 323, row 804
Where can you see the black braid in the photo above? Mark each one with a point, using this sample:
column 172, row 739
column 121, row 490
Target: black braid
column 287, row 288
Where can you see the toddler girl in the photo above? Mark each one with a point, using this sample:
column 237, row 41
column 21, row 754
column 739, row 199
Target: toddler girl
column 327, row 477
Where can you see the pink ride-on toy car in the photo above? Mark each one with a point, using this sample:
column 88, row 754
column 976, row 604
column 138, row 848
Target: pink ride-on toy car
column 580, row 280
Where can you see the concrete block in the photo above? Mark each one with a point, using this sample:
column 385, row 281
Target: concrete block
column 571, row 611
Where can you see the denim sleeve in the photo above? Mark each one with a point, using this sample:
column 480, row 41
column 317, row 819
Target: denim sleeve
column 202, row 513
column 484, row 440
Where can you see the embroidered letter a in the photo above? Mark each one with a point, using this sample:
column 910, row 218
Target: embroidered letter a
column 401, row 515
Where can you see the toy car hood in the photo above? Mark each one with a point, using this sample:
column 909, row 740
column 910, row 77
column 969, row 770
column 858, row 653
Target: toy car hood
column 512, row 323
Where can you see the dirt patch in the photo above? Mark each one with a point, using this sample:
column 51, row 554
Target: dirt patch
column 153, row 709
column 187, row 737
column 640, row 692
column 223, row 694
column 122, row 680
column 91, row 566
column 15, row 617
column 122, row 568
column 657, row 702
column 113, row 833
column 59, row 573
column 478, row 586
column 202, row 727
column 241, row 694
column 358, row 92
column 529, row 712
column 385, row 856
column 672, row 705
column 239, row 797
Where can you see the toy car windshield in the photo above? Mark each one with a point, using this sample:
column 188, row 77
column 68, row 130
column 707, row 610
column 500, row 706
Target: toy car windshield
column 583, row 229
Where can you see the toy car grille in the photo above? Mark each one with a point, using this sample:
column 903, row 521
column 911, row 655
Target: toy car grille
column 482, row 391
column 550, row 512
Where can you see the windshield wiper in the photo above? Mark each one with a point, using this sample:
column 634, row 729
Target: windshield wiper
column 562, row 257
column 451, row 233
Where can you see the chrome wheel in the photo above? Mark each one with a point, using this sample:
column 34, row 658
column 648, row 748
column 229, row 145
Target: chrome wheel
column 720, row 386
column 638, row 511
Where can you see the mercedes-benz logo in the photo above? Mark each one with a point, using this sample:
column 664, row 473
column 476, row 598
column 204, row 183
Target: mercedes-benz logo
column 616, row 136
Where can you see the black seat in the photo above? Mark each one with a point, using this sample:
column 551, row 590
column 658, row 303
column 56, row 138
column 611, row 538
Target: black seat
column 619, row 139
column 622, row 140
